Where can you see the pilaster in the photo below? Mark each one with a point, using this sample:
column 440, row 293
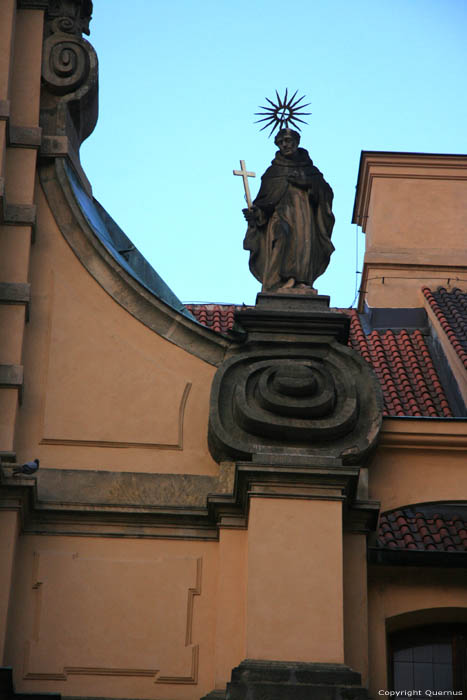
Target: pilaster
column 300, row 412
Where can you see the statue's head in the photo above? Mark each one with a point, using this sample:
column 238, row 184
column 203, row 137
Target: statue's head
column 287, row 141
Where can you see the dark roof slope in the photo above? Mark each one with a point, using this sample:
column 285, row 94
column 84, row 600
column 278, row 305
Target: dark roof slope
column 451, row 310
column 401, row 361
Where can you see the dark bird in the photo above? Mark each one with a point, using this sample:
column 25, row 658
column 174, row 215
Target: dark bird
column 27, row 468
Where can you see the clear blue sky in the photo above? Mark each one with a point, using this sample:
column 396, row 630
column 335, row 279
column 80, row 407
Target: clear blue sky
column 180, row 82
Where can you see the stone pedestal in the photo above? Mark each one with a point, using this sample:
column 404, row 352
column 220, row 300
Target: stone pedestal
column 293, row 390
column 299, row 412
column 275, row 680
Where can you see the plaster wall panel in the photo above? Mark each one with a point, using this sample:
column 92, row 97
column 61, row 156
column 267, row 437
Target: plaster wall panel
column 356, row 604
column 126, row 618
column 11, row 318
column 8, row 409
column 26, row 76
column 294, row 598
column 402, row 287
column 7, row 16
column 231, row 609
column 418, row 214
column 430, row 594
column 8, row 539
column 104, row 390
column 3, row 141
column 96, row 377
column 400, row 477
column 15, row 244
column 20, row 175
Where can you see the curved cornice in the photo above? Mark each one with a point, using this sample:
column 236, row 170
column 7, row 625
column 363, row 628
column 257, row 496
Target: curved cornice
column 115, row 280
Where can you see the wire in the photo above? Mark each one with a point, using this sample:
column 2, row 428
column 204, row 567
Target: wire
column 357, row 272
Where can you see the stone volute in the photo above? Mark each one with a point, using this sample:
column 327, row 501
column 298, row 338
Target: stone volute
column 293, row 392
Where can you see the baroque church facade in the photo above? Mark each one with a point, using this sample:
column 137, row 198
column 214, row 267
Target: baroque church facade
column 283, row 511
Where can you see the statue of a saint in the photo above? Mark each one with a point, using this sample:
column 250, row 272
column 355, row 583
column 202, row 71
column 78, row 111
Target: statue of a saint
column 291, row 220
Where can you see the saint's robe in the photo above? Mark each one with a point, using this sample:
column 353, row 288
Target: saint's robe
column 292, row 233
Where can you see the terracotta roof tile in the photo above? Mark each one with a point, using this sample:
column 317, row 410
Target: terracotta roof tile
column 450, row 309
column 217, row 317
column 415, row 529
column 401, row 361
column 403, row 364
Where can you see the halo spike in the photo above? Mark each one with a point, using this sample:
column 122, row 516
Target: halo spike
column 266, row 126
column 265, row 119
column 297, row 102
column 292, row 98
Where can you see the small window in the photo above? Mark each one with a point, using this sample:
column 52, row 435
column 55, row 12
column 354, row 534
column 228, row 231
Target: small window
column 429, row 659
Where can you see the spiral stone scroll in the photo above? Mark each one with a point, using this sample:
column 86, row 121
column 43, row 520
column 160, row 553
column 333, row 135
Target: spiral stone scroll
column 69, row 95
column 313, row 402
column 66, row 63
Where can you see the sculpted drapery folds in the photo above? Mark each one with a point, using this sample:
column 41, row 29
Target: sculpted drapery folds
column 291, row 221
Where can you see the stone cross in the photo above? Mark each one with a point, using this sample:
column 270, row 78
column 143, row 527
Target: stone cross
column 245, row 175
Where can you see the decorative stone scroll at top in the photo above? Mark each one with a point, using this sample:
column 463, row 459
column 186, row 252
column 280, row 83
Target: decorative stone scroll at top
column 293, row 391
column 69, row 73
column 69, row 16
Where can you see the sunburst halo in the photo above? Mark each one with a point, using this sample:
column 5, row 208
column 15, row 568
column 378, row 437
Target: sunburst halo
column 286, row 111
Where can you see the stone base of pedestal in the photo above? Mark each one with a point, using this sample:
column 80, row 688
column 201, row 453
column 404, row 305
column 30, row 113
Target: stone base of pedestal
column 280, row 680
column 7, row 691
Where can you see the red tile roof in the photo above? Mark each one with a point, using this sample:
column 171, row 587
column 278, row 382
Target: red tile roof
column 451, row 310
column 217, row 317
column 401, row 361
column 424, row 529
column 403, row 365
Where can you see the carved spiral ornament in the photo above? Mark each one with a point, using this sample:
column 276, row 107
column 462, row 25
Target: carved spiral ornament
column 65, row 64
column 312, row 403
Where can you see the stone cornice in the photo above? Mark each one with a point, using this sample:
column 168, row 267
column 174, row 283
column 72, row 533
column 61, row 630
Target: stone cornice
column 413, row 557
column 32, row 4
column 172, row 506
column 424, row 433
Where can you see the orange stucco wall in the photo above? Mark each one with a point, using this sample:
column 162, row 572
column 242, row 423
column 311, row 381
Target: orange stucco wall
column 413, row 210
column 113, row 617
column 400, row 477
column 104, row 391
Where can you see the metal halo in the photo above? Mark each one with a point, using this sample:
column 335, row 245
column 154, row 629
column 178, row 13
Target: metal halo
column 287, row 110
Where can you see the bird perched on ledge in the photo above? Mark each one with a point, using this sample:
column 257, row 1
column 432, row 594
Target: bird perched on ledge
column 28, row 468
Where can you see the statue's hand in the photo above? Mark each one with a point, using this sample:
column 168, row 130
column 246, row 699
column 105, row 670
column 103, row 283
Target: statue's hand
column 251, row 215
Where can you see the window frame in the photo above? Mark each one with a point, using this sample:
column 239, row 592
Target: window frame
column 456, row 633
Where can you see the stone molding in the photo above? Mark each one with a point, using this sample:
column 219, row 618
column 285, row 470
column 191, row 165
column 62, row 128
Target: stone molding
column 173, row 506
column 16, row 293
column 32, row 4
column 425, row 433
column 11, row 377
